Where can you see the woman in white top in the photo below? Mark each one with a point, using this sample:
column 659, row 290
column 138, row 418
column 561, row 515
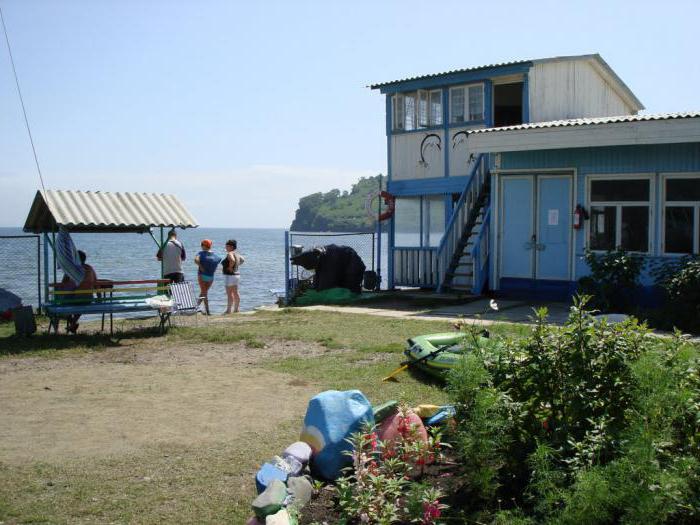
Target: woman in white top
column 232, row 276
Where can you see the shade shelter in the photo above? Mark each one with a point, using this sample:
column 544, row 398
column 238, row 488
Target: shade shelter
column 103, row 212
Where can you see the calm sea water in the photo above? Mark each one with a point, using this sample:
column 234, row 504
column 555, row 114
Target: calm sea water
column 129, row 256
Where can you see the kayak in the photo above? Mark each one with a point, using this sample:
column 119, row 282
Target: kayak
column 452, row 348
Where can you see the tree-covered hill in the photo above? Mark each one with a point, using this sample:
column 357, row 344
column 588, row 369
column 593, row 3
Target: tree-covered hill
column 337, row 211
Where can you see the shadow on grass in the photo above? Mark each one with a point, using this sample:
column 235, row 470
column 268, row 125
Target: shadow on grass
column 42, row 342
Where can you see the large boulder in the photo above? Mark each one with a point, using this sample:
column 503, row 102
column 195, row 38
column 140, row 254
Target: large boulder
column 390, row 429
column 331, row 418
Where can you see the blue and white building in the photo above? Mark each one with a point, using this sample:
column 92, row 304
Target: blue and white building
column 504, row 174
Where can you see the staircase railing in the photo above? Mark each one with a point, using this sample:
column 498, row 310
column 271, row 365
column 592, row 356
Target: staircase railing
column 480, row 255
column 458, row 220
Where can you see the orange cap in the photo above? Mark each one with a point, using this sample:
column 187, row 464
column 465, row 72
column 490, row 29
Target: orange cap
column 206, row 244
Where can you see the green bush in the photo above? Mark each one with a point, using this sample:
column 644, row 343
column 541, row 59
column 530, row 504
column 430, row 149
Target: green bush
column 585, row 423
column 613, row 280
column 682, row 284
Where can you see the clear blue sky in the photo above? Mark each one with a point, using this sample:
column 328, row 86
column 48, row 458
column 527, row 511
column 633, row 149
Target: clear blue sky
column 240, row 108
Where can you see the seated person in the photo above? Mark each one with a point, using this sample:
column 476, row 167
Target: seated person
column 88, row 283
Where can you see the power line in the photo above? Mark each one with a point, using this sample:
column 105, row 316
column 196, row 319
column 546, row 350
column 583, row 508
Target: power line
column 21, row 100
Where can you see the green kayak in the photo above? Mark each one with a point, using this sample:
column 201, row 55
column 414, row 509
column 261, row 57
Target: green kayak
column 452, row 347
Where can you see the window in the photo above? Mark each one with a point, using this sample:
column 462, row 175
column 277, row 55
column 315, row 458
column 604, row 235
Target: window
column 681, row 215
column 620, row 214
column 466, row 103
column 436, row 108
column 417, row 110
column 419, row 221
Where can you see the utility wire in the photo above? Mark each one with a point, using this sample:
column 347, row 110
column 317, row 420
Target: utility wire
column 21, row 100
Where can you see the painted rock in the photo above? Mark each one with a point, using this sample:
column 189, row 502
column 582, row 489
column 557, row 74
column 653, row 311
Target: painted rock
column 300, row 490
column 280, row 518
column 426, row 411
column 389, row 428
column 445, row 413
column 271, row 500
column 254, row 521
column 291, row 465
column 331, row 418
column 381, row 412
column 267, row 474
column 300, row 451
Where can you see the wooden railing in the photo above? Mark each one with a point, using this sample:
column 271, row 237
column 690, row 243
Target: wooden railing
column 415, row 267
column 458, row 223
column 480, row 255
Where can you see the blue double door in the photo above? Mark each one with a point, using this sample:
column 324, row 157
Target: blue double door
column 535, row 232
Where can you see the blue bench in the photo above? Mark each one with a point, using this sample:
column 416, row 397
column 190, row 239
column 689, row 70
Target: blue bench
column 107, row 298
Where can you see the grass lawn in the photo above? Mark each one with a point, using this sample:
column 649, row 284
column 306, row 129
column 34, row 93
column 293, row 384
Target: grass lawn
column 148, row 429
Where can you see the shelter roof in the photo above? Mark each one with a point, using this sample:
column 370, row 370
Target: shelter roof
column 98, row 211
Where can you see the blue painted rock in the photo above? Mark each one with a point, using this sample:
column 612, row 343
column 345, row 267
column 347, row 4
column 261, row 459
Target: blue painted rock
column 300, row 451
column 267, row 474
column 445, row 413
column 271, row 500
column 331, row 418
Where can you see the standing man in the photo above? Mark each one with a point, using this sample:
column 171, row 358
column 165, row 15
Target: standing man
column 172, row 254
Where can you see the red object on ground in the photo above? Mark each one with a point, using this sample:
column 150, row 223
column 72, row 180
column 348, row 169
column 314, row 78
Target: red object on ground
column 394, row 426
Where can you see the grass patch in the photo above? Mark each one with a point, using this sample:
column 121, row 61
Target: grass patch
column 211, row 482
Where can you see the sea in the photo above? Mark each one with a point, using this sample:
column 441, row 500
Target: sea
column 132, row 256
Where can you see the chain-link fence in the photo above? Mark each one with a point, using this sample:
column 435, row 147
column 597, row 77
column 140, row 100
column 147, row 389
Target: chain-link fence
column 20, row 268
column 365, row 244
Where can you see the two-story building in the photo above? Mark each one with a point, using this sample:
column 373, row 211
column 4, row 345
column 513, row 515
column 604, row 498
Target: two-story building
column 504, row 174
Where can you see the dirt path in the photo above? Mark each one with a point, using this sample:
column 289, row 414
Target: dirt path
column 117, row 401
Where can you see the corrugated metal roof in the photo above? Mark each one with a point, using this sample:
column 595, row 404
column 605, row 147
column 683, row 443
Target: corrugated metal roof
column 87, row 211
column 594, row 56
column 451, row 72
column 590, row 121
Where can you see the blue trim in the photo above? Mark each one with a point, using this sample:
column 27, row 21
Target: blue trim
column 287, row 288
column 446, row 127
column 526, row 100
column 462, row 77
column 389, row 115
column 390, row 255
column 536, row 288
column 441, row 128
column 420, row 219
column 419, row 187
column 388, row 138
column 488, row 103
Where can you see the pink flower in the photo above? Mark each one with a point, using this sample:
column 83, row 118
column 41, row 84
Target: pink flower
column 431, row 511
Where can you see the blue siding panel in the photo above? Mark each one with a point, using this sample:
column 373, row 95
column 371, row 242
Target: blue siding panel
column 413, row 187
column 654, row 159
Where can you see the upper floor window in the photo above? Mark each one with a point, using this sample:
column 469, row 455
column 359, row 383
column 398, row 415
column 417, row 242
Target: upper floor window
column 620, row 213
column 417, row 110
column 681, row 215
column 466, row 103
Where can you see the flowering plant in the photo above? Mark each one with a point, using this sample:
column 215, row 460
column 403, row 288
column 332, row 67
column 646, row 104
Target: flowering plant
column 379, row 487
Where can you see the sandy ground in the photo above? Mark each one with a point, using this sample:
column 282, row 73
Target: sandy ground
column 120, row 400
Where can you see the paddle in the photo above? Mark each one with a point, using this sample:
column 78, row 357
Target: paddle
column 406, row 364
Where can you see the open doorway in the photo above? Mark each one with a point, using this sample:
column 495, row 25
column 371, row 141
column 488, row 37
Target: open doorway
column 508, row 104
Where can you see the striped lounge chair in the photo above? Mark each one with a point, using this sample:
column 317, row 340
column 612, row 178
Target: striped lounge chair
column 185, row 300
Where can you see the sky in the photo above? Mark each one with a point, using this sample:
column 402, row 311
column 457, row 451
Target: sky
column 241, row 108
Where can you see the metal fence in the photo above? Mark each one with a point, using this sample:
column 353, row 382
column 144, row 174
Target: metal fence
column 365, row 244
column 20, row 267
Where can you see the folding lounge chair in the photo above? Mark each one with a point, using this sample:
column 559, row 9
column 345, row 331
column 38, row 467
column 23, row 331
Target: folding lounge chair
column 185, row 300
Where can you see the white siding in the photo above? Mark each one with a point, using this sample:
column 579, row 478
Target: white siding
column 458, row 153
column 405, row 156
column 572, row 89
